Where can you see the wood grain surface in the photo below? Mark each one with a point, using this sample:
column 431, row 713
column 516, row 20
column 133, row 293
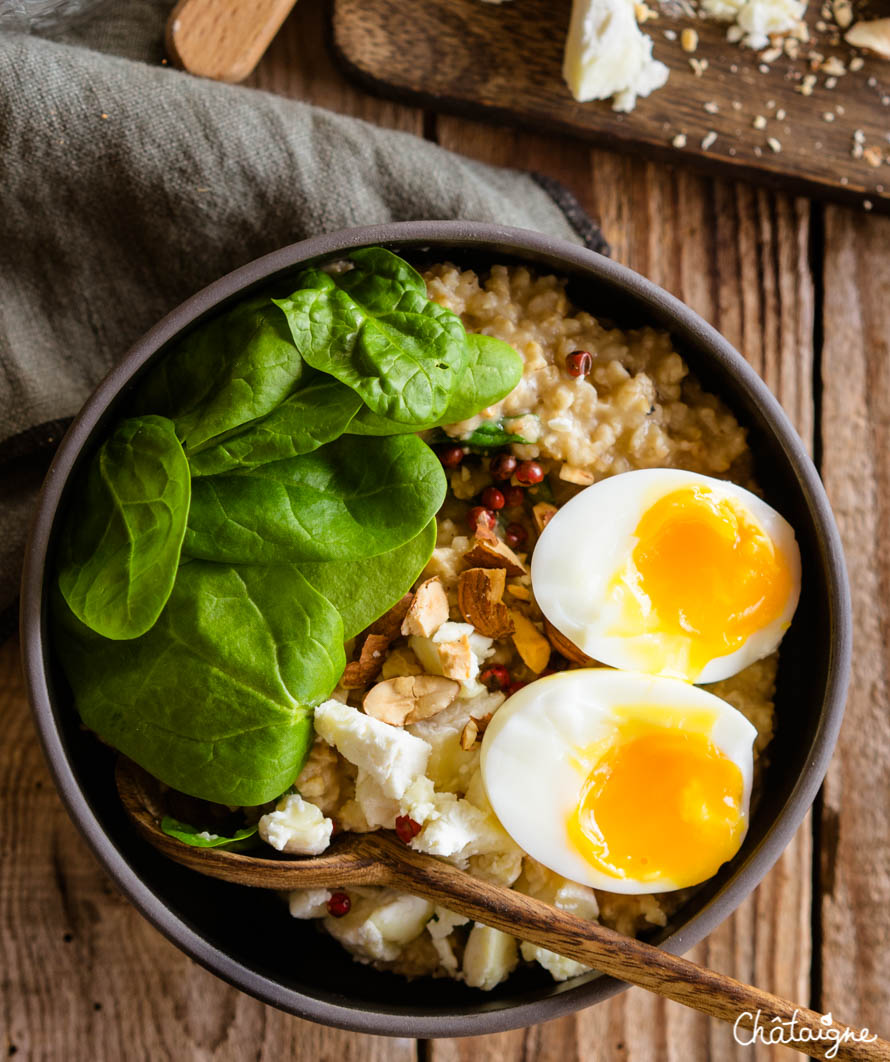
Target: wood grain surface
column 802, row 291
column 504, row 61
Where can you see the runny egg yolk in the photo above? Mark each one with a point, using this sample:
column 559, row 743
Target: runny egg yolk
column 660, row 803
column 703, row 577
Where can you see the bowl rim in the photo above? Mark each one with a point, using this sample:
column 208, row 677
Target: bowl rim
column 459, row 234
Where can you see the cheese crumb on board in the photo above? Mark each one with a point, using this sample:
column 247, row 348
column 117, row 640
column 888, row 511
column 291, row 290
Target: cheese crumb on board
column 607, row 55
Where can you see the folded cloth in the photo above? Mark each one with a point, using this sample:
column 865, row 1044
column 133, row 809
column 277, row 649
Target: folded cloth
column 127, row 186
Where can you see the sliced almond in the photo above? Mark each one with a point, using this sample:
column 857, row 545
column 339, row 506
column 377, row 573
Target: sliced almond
column 543, row 513
column 531, row 645
column 469, row 734
column 565, row 647
column 428, row 611
column 482, row 722
column 492, row 553
column 479, row 593
column 381, row 634
column 409, row 698
column 457, row 659
column 874, row 35
column 573, row 474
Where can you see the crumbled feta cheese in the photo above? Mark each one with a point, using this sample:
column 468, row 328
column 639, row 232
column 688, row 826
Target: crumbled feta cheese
column 757, row 20
column 379, row 925
column 389, row 754
column 378, row 809
column 606, row 54
column 296, row 826
column 558, row 966
column 308, row 903
column 489, row 957
column 432, row 653
column 503, row 868
column 440, row 927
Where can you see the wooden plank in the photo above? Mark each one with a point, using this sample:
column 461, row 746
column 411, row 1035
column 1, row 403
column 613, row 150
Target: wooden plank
column 298, row 65
column 739, row 256
column 504, row 62
column 85, row 976
column 855, row 840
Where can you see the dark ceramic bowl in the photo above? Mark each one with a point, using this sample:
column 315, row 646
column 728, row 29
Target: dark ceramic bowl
column 288, row 963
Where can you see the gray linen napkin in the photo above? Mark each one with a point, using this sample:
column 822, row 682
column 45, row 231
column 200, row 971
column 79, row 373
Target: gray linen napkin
column 128, row 186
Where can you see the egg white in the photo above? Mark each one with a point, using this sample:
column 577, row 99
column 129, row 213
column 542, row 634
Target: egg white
column 530, row 766
column 588, row 542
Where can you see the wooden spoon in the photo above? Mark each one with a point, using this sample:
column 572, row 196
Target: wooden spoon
column 381, row 859
column 223, row 39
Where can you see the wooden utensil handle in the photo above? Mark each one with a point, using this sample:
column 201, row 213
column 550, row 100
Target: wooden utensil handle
column 223, row 39
column 625, row 958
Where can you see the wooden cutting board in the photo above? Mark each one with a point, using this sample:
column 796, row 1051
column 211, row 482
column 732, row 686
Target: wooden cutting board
column 503, row 62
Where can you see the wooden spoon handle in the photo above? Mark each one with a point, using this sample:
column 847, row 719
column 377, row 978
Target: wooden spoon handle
column 627, row 959
column 223, row 39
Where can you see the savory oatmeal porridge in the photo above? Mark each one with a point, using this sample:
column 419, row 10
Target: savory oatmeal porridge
column 432, row 673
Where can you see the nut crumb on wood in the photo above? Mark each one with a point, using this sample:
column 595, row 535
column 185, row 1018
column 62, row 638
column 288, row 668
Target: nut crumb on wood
column 428, row 611
column 689, row 39
column 410, row 698
column 873, row 35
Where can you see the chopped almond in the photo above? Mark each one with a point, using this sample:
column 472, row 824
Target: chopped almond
column 543, row 513
column 531, row 645
column 482, row 722
column 409, row 698
column 428, row 611
column 479, row 593
column 492, row 553
column 520, row 591
column 573, row 474
column 469, row 734
column 873, row 35
column 457, row 659
column 565, row 647
column 381, row 634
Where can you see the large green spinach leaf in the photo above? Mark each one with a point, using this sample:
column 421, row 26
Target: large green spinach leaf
column 319, row 412
column 362, row 593
column 351, row 499
column 231, row 370
column 122, row 538
column 493, row 370
column 214, row 699
column 374, row 329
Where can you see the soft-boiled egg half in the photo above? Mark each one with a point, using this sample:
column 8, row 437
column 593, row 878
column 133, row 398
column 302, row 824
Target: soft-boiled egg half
column 669, row 572
column 630, row 783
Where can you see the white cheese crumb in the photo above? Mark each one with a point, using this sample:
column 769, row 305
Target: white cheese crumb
column 296, row 826
column 489, row 957
column 389, row 754
column 774, row 145
column 606, row 54
column 708, row 140
column 679, row 140
column 308, row 903
column 759, row 122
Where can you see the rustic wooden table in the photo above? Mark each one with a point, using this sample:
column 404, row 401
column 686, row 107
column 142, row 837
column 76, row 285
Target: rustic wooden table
column 803, row 290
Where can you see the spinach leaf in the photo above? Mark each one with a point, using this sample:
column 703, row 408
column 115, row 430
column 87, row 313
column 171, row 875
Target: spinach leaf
column 214, row 699
column 122, row 537
column 493, row 370
column 490, row 435
column 350, row 499
column 363, row 593
column 317, row 413
column 233, row 369
column 241, row 841
column 374, row 329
